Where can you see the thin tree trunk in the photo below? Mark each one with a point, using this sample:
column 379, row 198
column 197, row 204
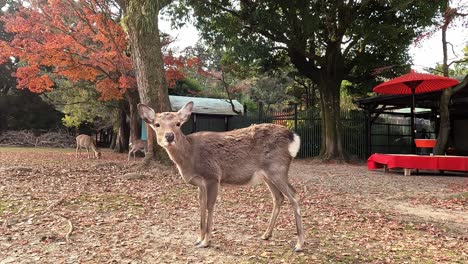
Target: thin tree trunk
column 133, row 99
column 444, row 126
column 123, row 132
column 113, row 144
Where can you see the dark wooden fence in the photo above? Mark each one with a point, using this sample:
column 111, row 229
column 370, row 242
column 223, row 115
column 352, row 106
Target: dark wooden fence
column 308, row 125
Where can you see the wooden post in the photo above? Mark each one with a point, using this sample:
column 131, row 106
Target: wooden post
column 295, row 117
column 260, row 112
column 369, row 132
column 194, row 123
column 407, row 172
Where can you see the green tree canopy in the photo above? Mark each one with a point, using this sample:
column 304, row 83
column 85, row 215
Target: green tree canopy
column 80, row 104
column 327, row 41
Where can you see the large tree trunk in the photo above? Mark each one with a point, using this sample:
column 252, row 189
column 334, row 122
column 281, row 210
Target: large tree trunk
column 328, row 77
column 145, row 44
column 332, row 147
column 329, row 87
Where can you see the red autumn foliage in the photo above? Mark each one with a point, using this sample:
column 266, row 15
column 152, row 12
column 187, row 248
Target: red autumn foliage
column 77, row 40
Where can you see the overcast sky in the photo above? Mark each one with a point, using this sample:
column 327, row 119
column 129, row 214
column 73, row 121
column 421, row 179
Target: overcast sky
column 425, row 55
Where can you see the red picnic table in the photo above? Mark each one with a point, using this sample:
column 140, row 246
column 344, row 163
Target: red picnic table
column 419, row 162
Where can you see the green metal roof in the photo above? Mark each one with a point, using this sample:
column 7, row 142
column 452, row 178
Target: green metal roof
column 203, row 105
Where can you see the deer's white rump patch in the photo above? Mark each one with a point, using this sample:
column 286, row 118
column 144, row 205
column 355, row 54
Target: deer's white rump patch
column 294, row 146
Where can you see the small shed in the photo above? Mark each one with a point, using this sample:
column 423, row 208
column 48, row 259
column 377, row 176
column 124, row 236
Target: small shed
column 208, row 114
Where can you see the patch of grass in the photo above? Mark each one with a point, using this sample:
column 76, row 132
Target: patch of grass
column 37, row 149
column 3, row 206
column 105, row 203
column 8, row 207
column 174, row 193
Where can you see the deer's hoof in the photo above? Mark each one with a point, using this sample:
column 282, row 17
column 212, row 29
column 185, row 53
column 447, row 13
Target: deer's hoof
column 266, row 236
column 203, row 244
column 297, row 248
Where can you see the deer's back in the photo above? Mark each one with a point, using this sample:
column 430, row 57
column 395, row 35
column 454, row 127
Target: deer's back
column 240, row 153
column 84, row 141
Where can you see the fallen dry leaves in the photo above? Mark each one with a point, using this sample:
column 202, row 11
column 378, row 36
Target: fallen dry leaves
column 350, row 215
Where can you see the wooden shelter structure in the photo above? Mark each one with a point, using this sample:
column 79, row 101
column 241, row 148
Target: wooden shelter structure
column 390, row 104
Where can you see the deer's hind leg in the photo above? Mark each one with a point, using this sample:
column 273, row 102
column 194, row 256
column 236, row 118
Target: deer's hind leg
column 280, row 180
column 278, row 199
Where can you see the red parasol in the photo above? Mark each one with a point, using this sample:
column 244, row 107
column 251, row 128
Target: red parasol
column 415, row 83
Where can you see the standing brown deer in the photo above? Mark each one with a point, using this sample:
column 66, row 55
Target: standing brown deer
column 137, row 145
column 87, row 142
column 239, row 157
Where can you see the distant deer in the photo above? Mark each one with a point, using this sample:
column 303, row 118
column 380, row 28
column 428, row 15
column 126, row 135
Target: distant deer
column 137, row 145
column 87, row 142
column 239, row 157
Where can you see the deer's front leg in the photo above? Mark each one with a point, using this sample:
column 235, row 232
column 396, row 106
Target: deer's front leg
column 202, row 196
column 212, row 193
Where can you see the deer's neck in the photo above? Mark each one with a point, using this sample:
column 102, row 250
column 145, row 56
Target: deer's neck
column 181, row 155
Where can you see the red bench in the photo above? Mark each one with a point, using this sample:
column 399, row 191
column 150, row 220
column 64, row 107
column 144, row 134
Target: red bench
column 419, row 162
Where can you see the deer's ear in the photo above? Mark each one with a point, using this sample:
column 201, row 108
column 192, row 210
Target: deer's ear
column 146, row 113
column 185, row 112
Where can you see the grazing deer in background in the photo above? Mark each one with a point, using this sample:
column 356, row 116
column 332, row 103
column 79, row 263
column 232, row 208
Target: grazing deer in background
column 85, row 141
column 239, row 157
column 137, row 145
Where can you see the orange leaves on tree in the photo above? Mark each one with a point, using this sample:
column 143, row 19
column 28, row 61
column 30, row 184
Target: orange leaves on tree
column 173, row 68
column 29, row 77
column 109, row 89
column 127, row 82
column 192, row 62
column 77, row 40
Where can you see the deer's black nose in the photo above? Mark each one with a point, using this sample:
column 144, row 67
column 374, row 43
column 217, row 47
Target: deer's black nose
column 169, row 136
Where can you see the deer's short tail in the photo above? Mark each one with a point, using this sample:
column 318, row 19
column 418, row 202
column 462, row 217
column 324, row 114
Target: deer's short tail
column 294, row 145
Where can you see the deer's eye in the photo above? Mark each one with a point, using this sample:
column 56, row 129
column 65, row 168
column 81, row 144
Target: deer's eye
column 157, row 125
column 178, row 124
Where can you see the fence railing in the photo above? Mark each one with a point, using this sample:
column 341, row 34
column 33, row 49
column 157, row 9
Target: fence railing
column 385, row 135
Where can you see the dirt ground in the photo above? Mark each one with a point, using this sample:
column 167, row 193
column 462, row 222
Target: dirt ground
column 55, row 208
